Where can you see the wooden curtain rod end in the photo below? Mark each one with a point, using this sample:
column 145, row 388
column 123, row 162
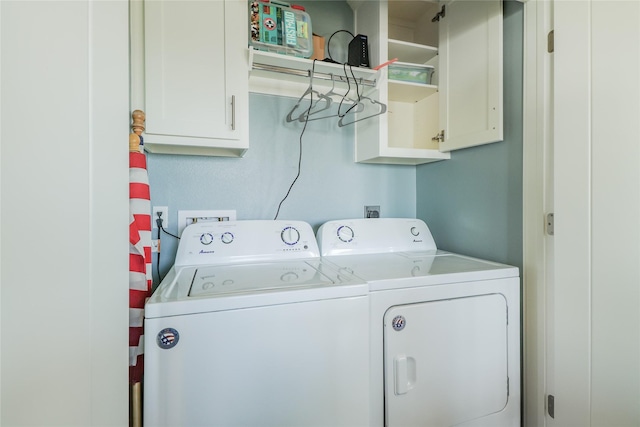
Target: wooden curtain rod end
column 134, row 143
column 137, row 127
column 138, row 121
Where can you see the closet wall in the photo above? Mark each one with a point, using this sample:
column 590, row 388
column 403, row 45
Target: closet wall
column 331, row 185
column 473, row 202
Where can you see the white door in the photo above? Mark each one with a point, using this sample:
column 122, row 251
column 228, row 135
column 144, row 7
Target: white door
column 590, row 304
column 470, row 67
column 597, row 210
column 63, row 158
column 445, row 361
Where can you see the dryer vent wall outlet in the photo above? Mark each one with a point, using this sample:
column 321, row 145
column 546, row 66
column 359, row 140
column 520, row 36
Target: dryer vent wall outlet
column 372, row 211
column 191, row 217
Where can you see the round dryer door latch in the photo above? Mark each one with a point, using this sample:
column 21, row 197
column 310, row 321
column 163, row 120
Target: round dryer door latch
column 398, row 323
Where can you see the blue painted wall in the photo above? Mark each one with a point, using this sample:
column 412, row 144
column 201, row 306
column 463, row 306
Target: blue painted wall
column 473, row 202
column 330, row 186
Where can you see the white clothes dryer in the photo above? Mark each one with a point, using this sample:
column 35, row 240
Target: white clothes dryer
column 251, row 328
column 445, row 328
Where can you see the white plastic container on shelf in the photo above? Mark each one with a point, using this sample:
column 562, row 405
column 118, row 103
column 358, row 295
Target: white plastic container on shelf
column 412, row 73
column 281, row 28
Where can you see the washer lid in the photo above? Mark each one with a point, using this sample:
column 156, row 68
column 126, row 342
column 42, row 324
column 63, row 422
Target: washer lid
column 242, row 279
column 410, row 269
column 201, row 289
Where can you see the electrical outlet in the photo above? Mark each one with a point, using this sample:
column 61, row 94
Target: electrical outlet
column 372, row 211
column 164, row 210
column 191, row 217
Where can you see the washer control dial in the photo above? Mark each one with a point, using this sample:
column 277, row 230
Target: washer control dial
column 415, row 231
column 345, row 233
column 226, row 237
column 289, row 277
column 290, row 236
column 206, row 238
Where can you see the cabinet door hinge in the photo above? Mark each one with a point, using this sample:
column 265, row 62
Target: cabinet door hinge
column 550, row 42
column 549, row 224
column 439, row 137
column 438, row 16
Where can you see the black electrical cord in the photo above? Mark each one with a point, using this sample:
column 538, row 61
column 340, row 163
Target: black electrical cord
column 159, row 225
column 313, row 66
column 329, row 42
column 166, row 232
column 299, row 161
column 346, row 76
column 161, row 228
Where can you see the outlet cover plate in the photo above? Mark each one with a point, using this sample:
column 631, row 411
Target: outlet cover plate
column 372, row 211
column 165, row 216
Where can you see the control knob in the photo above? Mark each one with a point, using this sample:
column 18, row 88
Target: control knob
column 206, row 238
column 226, row 237
column 290, row 236
column 289, row 277
column 345, row 233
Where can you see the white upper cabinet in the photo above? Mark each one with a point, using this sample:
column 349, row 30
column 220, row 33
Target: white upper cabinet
column 196, row 92
column 191, row 69
column 470, row 67
column 460, row 105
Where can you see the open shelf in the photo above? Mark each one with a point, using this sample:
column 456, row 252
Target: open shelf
column 273, row 72
column 411, row 52
column 409, row 92
column 408, row 156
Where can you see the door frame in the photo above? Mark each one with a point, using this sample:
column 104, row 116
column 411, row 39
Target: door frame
column 537, row 137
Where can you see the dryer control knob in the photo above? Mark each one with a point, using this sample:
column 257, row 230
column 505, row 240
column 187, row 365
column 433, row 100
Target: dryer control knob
column 290, row 236
column 226, row 237
column 345, row 233
column 415, row 231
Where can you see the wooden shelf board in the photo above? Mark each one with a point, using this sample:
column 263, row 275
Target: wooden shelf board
column 409, row 92
column 411, row 52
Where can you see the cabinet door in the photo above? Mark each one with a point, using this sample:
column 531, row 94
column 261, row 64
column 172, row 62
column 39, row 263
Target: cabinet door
column 196, row 77
column 470, row 66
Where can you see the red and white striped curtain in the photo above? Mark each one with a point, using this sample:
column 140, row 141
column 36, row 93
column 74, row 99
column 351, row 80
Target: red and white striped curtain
column 140, row 279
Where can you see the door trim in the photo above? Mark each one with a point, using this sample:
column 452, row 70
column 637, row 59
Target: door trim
column 536, row 139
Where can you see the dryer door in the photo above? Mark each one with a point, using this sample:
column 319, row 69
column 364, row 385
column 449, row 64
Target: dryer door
column 445, row 361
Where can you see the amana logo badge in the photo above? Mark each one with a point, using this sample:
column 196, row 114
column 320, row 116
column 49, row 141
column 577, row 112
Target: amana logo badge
column 167, row 338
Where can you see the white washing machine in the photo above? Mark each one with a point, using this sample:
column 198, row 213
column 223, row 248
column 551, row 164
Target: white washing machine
column 445, row 328
column 250, row 328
